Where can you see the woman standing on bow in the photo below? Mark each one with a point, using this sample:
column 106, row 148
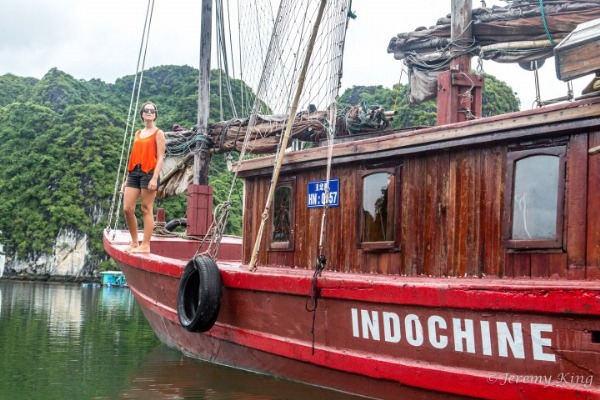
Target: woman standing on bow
column 143, row 170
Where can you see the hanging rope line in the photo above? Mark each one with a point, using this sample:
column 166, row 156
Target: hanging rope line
column 543, row 14
column 131, row 117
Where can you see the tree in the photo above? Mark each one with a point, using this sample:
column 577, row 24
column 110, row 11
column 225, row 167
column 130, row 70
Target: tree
column 497, row 98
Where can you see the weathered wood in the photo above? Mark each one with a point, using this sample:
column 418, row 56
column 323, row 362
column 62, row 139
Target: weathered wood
column 522, row 125
column 202, row 156
column 579, row 53
column 593, row 213
column 509, row 265
column 558, row 268
column 522, row 265
column 575, row 205
column 450, row 216
column 461, row 31
column 491, row 216
column 412, row 231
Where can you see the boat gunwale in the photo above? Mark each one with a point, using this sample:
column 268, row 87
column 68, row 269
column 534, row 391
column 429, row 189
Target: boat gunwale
column 486, row 294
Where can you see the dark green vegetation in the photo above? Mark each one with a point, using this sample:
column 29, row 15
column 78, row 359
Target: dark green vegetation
column 498, row 98
column 61, row 139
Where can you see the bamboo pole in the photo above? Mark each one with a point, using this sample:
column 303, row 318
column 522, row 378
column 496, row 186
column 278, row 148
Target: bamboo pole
column 286, row 135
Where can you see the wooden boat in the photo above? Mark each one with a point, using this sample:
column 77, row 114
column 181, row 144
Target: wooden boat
column 457, row 260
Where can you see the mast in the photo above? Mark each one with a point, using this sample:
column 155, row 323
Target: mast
column 459, row 91
column 200, row 195
column 202, row 158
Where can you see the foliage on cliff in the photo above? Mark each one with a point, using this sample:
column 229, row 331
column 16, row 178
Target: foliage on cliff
column 60, row 146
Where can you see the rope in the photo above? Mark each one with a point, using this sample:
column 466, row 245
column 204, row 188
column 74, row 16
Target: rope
column 543, row 14
column 399, row 89
column 131, row 115
column 467, row 97
column 369, row 117
column 215, row 231
column 313, row 297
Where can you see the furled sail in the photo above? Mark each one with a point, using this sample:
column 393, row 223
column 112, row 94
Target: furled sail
column 519, row 32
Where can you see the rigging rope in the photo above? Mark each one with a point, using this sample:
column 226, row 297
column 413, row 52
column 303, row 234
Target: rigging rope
column 543, row 14
column 131, row 115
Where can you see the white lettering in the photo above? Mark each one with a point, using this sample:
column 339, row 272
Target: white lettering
column 370, row 324
column 355, row 331
column 391, row 327
column 515, row 340
column 312, row 199
column 486, row 341
column 413, row 336
column 506, row 340
column 538, row 342
column 442, row 342
column 467, row 335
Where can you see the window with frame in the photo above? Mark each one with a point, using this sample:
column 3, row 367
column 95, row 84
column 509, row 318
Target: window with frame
column 534, row 198
column 377, row 210
column 282, row 216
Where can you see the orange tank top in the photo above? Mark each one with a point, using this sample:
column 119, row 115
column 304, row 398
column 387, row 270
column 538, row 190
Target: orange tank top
column 143, row 152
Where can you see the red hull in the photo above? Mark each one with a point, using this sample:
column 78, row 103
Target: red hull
column 383, row 336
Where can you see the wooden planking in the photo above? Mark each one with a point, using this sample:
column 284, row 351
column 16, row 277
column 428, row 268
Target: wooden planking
column 474, row 255
column 348, row 222
column 412, row 205
column 248, row 218
column 451, row 219
column 453, row 216
column 509, row 265
column 467, row 190
column 435, row 215
column 493, row 171
column 575, row 207
column 593, row 212
column 521, row 265
column 540, row 265
column 429, row 184
column 546, row 265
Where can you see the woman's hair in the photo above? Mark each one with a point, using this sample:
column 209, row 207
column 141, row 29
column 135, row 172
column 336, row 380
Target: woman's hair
column 148, row 103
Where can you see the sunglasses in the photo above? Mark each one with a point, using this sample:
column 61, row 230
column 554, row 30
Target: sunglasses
column 149, row 111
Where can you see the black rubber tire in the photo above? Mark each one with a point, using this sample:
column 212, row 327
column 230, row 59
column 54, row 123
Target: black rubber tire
column 199, row 295
column 175, row 223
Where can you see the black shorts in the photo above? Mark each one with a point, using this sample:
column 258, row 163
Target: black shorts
column 139, row 179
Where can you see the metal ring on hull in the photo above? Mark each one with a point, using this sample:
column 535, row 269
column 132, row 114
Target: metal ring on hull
column 199, row 295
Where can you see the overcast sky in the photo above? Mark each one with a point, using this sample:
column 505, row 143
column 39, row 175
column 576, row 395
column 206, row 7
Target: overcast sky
column 101, row 39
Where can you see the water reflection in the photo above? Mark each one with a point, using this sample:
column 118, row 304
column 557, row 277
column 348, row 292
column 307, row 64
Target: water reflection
column 167, row 374
column 72, row 342
column 69, row 342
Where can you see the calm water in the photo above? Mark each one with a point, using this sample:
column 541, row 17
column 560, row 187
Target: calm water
column 80, row 342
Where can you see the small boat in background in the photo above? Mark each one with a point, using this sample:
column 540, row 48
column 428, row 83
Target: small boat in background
column 113, row 278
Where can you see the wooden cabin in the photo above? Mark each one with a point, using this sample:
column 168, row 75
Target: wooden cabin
column 510, row 196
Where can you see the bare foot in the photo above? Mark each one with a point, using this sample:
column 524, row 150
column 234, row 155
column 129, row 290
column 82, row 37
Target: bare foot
column 131, row 247
column 141, row 249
